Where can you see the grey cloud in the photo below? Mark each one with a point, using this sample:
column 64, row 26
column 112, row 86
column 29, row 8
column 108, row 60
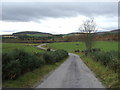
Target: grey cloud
column 28, row 11
column 109, row 28
column 8, row 30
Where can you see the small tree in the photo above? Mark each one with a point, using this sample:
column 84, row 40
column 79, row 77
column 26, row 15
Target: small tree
column 88, row 28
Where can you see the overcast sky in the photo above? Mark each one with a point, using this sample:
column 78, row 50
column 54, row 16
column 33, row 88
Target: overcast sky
column 56, row 17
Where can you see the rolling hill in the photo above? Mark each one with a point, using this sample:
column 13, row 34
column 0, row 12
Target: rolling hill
column 32, row 33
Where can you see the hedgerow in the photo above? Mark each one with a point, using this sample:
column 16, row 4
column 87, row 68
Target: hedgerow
column 18, row 62
column 109, row 59
column 53, row 56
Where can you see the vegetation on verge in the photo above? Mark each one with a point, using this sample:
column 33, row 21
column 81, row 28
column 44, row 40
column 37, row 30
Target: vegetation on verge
column 88, row 28
column 18, row 62
column 106, row 75
column 28, row 47
column 24, row 65
column 72, row 46
column 109, row 59
column 32, row 78
column 105, row 63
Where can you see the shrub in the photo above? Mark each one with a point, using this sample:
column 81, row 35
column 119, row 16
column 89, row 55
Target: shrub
column 28, row 61
column 49, row 59
column 48, row 49
column 110, row 59
column 60, row 54
column 77, row 50
column 95, row 49
column 10, row 67
column 53, row 56
column 18, row 62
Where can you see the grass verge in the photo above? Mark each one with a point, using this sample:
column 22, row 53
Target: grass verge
column 107, row 76
column 72, row 46
column 7, row 47
column 29, row 79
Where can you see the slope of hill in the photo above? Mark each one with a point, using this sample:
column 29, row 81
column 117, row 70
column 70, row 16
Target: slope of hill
column 115, row 31
column 32, row 33
column 34, row 36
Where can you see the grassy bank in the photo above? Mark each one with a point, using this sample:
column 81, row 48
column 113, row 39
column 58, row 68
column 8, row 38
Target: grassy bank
column 106, row 75
column 71, row 46
column 24, row 65
column 30, row 79
column 6, row 47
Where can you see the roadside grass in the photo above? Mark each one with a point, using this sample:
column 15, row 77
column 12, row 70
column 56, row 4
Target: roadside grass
column 108, row 77
column 29, row 79
column 0, row 48
column 106, row 45
column 6, row 47
column 68, row 46
column 37, row 35
column 71, row 46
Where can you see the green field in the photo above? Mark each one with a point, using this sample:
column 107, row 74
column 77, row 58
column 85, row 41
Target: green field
column 6, row 47
column 0, row 47
column 37, row 35
column 71, row 46
column 107, row 76
column 31, row 79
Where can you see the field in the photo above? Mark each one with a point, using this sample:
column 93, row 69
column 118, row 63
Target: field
column 107, row 76
column 71, row 46
column 106, row 73
column 6, row 47
column 31, row 79
column 37, row 35
column 23, row 68
column 0, row 47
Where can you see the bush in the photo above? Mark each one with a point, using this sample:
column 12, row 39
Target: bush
column 18, row 62
column 10, row 67
column 53, row 56
column 110, row 59
column 49, row 59
column 60, row 54
column 95, row 49
column 77, row 50
column 28, row 61
column 48, row 49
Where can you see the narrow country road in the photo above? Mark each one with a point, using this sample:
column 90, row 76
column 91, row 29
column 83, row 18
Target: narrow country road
column 40, row 46
column 73, row 73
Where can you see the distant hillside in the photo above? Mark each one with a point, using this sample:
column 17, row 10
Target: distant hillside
column 43, row 34
column 115, row 31
column 31, row 32
column 109, row 32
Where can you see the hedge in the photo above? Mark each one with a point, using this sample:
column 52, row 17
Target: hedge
column 110, row 59
column 52, row 57
column 18, row 62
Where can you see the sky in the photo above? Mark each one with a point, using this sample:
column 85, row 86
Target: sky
column 56, row 17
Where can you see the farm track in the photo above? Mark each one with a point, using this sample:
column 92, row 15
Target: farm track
column 73, row 73
column 40, row 46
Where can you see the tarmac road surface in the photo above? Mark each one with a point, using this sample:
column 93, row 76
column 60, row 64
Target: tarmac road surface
column 73, row 73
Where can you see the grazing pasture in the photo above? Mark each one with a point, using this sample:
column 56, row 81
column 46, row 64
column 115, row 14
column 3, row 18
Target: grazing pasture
column 20, row 60
column 105, row 63
column 71, row 46
column 6, row 47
